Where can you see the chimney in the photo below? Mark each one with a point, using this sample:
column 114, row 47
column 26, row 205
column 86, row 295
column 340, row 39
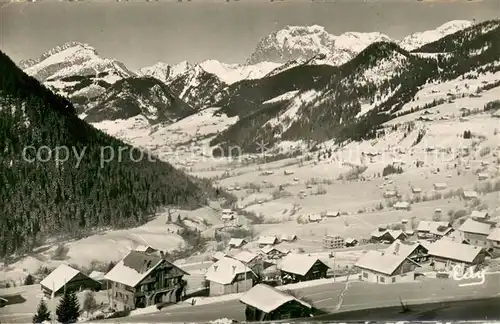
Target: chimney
column 396, row 248
column 162, row 254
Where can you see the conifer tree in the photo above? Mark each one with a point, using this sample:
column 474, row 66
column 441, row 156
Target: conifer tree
column 29, row 280
column 42, row 313
column 68, row 309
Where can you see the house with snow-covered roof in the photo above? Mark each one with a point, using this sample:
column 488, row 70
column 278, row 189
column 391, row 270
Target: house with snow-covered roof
column 480, row 215
column 301, row 267
column 288, row 238
column 445, row 253
column 141, row 280
column 236, row 243
column 469, row 195
column 386, row 267
column 145, row 249
column 65, row 277
column 402, row 205
column 429, row 229
column 476, row 232
column 266, row 303
column 229, row 276
column 440, row 186
column 267, row 240
column 494, row 238
column 384, row 235
column 273, row 252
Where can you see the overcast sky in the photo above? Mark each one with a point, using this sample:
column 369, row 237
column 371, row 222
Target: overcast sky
column 143, row 33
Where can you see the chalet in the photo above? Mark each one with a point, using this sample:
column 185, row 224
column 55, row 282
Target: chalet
column 414, row 251
column 272, row 252
column 217, row 256
column 288, row 238
column 482, row 176
column 385, row 235
column 480, row 215
column 402, row 205
column 267, row 240
column 299, row 267
column 251, row 260
column 350, row 242
column 383, row 267
column 99, row 277
column 145, row 249
column 65, row 277
column 416, row 190
column 333, row 242
column 390, row 194
column 476, row 232
column 494, row 239
column 236, row 243
column 445, row 253
column 229, row 276
column 438, row 232
column 265, row 303
column 427, row 229
column 229, row 217
column 315, row 218
column 469, row 195
column 141, row 280
column 440, row 186
column 332, row 214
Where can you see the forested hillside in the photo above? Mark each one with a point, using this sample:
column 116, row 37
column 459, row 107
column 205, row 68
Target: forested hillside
column 40, row 199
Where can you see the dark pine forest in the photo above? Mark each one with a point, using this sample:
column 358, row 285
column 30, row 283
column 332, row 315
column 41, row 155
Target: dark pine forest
column 42, row 199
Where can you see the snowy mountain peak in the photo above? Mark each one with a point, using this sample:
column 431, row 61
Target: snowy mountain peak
column 419, row 39
column 73, row 46
column 296, row 43
column 292, row 43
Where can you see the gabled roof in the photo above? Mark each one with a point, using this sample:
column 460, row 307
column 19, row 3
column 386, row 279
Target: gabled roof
column 267, row 240
column 267, row 249
column 218, row 255
column 135, row 267
column 479, row 214
column 59, row 277
column 427, row 226
column 298, row 263
column 470, row 194
column 267, row 298
column 441, row 230
column 473, row 226
column 402, row 204
column 143, row 248
column 494, row 235
column 225, row 270
column 403, row 248
column 245, row 256
column 381, row 262
column 96, row 275
column 350, row 240
column 315, row 217
column 285, row 237
column 449, row 249
column 237, row 241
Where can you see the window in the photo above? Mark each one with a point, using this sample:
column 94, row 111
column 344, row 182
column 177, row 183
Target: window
column 382, row 279
column 393, row 279
column 365, row 275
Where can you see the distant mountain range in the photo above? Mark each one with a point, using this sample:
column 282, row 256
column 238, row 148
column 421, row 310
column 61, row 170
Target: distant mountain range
column 299, row 82
column 77, row 71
